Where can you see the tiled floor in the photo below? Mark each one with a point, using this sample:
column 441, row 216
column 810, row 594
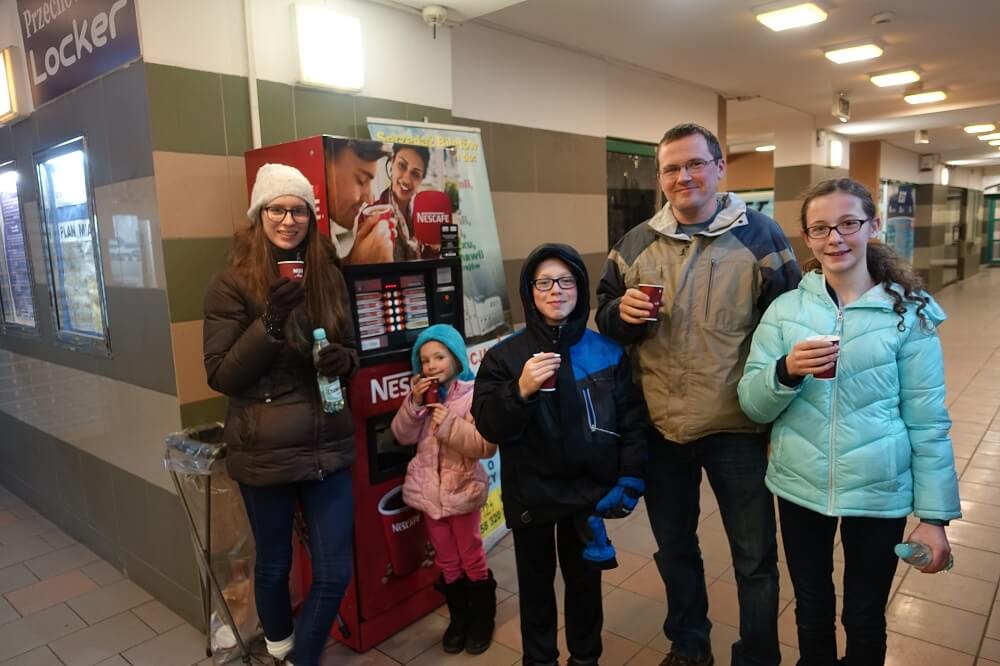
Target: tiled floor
column 60, row 604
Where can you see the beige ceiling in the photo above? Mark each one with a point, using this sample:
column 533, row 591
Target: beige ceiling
column 719, row 44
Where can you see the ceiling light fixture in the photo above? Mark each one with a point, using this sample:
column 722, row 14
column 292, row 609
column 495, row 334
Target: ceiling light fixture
column 995, row 142
column 979, row 129
column 925, row 97
column 855, row 53
column 764, row 149
column 989, row 137
column 783, row 16
column 900, row 78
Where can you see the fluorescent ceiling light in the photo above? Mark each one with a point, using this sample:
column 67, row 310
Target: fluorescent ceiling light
column 764, row 149
column 979, row 129
column 854, row 53
column 989, row 137
column 331, row 53
column 995, row 142
column 787, row 17
column 925, row 97
column 895, row 78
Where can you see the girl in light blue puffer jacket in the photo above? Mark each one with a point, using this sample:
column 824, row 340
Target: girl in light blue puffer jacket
column 864, row 448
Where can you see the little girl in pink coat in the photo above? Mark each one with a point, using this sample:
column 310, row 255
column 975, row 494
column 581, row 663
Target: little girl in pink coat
column 446, row 481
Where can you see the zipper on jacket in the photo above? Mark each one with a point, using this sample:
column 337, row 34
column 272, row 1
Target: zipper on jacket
column 838, row 330
column 592, row 415
column 708, row 295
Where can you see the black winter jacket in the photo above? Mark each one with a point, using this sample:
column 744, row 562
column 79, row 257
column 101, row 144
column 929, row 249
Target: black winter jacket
column 276, row 430
column 560, row 451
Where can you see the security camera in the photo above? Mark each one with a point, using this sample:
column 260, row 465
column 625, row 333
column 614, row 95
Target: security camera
column 434, row 15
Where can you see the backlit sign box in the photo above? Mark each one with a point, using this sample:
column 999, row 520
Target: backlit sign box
column 70, row 42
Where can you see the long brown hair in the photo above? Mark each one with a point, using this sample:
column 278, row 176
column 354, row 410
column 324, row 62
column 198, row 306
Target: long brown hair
column 884, row 266
column 324, row 284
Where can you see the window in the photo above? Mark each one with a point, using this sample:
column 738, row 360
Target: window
column 76, row 281
column 17, row 303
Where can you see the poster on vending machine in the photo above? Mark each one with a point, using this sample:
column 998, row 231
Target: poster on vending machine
column 456, row 165
column 898, row 210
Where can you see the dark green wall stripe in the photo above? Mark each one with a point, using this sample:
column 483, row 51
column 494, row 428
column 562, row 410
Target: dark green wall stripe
column 189, row 264
column 185, row 110
column 200, row 412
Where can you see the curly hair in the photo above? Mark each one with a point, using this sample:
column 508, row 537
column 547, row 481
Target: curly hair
column 884, row 266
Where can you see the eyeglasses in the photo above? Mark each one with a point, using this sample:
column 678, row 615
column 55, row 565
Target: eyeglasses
column 845, row 228
column 693, row 167
column 546, row 284
column 277, row 213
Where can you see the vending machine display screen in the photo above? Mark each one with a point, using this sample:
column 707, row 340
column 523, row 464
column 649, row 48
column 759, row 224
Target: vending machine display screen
column 390, row 310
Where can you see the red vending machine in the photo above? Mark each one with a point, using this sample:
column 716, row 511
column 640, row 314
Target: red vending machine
column 401, row 265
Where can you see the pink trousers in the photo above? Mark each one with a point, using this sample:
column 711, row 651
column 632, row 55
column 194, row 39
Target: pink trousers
column 459, row 546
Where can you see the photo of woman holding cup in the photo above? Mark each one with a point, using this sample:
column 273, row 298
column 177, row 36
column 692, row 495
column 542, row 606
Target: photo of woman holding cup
column 407, row 169
column 282, row 281
column 849, row 369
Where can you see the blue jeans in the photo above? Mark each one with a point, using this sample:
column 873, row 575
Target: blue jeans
column 328, row 510
column 869, row 565
column 735, row 464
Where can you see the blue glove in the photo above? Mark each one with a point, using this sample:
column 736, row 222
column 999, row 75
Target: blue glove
column 598, row 550
column 622, row 499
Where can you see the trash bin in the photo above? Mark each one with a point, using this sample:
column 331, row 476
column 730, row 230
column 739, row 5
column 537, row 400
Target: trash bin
column 220, row 534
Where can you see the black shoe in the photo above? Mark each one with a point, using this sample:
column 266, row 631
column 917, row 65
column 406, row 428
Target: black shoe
column 456, row 595
column 674, row 659
column 482, row 614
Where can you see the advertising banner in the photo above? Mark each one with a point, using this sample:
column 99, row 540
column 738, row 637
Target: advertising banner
column 899, row 209
column 70, row 42
column 457, row 167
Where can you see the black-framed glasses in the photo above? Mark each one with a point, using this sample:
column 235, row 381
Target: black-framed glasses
column 277, row 214
column 844, row 228
column 693, row 167
column 546, row 284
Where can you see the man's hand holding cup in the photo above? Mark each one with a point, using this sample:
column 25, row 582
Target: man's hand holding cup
column 636, row 307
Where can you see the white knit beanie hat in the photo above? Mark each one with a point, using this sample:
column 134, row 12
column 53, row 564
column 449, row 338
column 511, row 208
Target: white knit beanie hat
column 278, row 180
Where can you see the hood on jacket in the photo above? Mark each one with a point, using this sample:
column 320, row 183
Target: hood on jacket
column 450, row 338
column 572, row 330
column 732, row 212
column 815, row 283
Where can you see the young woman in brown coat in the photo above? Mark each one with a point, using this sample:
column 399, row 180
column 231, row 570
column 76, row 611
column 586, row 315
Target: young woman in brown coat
column 282, row 447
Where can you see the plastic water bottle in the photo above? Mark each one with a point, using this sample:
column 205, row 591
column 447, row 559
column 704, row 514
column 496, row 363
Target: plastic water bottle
column 919, row 555
column 330, row 391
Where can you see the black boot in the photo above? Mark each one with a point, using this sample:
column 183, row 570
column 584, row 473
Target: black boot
column 482, row 614
column 456, row 595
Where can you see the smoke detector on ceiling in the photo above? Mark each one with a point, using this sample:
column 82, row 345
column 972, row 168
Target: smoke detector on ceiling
column 882, row 18
column 434, row 15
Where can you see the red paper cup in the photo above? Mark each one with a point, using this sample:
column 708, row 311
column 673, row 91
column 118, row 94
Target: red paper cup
column 832, row 372
column 655, row 294
column 550, row 383
column 405, row 536
column 383, row 212
column 293, row 270
column 431, row 396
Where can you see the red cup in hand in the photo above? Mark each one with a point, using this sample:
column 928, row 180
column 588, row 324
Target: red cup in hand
column 431, row 395
column 832, row 372
column 293, row 270
column 655, row 294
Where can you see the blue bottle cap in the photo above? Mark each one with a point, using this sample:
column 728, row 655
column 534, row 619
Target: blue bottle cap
column 903, row 550
column 319, row 334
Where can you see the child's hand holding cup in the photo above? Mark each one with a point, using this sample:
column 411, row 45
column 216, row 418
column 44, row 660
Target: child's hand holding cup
column 816, row 356
column 539, row 373
column 419, row 387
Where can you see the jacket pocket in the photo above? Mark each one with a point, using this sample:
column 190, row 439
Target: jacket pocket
column 728, row 286
column 606, row 417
